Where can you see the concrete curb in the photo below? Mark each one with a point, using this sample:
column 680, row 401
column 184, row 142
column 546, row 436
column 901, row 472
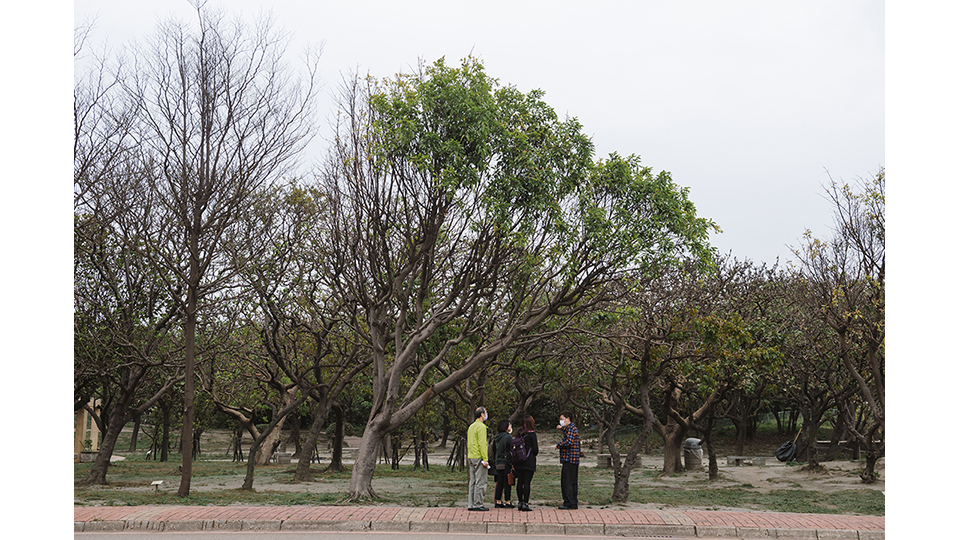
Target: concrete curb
column 480, row 527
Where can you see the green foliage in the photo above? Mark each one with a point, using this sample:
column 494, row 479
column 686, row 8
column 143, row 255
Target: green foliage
column 646, row 216
column 440, row 121
column 532, row 173
column 736, row 354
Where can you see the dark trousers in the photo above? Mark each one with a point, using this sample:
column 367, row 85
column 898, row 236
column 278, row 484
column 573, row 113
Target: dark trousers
column 522, row 478
column 568, row 483
column 503, row 487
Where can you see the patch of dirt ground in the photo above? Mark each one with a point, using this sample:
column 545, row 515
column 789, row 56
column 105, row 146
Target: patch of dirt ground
column 773, row 475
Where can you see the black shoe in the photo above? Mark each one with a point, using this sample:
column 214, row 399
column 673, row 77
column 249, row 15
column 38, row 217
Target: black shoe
column 524, row 507
column 564, row 507
column 479, row 509
column 498, row 505
column 508, row 505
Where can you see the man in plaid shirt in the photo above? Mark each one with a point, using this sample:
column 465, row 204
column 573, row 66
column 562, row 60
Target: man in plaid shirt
column 569, row 461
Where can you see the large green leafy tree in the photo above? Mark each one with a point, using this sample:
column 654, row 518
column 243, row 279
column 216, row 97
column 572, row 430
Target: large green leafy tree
column 471, row 207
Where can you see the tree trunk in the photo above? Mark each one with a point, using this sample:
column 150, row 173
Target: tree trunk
column 395, row 444
column 303, row 474
column 272, row 430
column 244, row 422
column 673, row 437
column 295, row 423
column 190, row 334
column 812, row 428
column 445, row 435
column 386, row 448
column 155, row 442
column 621, row 484
column 136, row 432
column 361, row 480
column 98, row 473
column 621, row 472
column 269, row 444
column 252, row 461
column 743, row 426
column 677, row 427
column 869, row 475
column 450, row 419
column 320, row 415
column 336, row 457
column 117, row 417
column 713, row 471
column 165, row 430
column 238, row 444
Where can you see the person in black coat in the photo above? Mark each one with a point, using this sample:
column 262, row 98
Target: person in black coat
column 501, row 459
column 523, row 471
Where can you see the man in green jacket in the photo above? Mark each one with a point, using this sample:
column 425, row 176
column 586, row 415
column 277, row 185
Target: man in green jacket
column 477, row 463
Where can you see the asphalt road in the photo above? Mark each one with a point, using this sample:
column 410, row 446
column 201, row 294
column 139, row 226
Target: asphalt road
column 295, row 535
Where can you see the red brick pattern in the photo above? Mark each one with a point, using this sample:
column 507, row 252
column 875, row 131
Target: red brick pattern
column 763, row 520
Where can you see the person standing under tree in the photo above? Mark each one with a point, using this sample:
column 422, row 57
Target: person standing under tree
column 569, row 461
column 477, row 462
column 501, row 460
column 523, row 470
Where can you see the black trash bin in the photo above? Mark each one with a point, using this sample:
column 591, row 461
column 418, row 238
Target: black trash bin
column 692, row 455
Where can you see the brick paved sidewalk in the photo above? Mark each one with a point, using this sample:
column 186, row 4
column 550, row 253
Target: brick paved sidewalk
column 548, row 521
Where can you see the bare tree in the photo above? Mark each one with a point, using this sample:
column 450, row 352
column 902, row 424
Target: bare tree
column 651, row 330
column 219, row 114
column 124, row 352
column 812, row 377
column 307, row 334
column 102, row 141
column 846, row 276
column 123, row 322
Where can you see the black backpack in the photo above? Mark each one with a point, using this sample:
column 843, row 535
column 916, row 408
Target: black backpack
column 518, row 451
column 787, row 452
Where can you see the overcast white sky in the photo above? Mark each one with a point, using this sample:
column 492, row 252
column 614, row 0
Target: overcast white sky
column 750, row 104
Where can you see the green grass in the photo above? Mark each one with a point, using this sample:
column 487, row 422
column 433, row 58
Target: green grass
column 442, row 487
column 859, row 501
column 196, row 498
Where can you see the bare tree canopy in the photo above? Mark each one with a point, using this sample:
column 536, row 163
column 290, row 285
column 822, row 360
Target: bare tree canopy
column 212, row 114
